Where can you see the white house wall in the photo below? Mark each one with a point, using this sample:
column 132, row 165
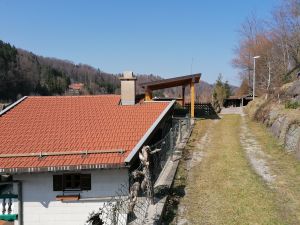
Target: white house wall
column 41, row 208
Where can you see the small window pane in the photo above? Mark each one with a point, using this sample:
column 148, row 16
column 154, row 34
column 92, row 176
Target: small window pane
column 85, row 181
column 57, row 182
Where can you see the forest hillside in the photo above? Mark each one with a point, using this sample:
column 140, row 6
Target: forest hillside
column 25, row 73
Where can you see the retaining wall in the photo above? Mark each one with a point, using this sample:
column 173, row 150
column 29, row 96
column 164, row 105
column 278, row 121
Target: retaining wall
column 283, row 123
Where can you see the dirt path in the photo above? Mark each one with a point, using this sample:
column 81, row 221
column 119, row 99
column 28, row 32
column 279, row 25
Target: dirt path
column 235, row 172
column 285, row 169
column 232, row 110
column 256, row 156
column 229, row 177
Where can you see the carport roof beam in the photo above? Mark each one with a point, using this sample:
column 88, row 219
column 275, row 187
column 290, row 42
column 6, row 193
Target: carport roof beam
column 172, row 82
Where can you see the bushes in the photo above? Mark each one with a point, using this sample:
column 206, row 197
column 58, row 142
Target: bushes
column 292, row 104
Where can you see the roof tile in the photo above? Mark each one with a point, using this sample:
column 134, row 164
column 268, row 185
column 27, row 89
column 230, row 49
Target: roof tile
column 73, row 123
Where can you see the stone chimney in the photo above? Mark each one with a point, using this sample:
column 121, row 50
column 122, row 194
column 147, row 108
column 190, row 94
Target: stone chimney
column 128, row 88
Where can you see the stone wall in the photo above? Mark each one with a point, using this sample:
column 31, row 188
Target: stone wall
column 283, row 123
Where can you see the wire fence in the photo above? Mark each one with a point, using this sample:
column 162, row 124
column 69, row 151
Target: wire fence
column 130, row 204
column 167, row 146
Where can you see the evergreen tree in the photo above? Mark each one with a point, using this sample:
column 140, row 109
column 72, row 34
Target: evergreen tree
column 220, row 92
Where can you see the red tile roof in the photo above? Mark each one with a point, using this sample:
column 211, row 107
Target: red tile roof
column 76, row 86
column 73, row 123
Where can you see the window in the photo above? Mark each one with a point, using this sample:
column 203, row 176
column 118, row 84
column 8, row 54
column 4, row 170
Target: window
column 71, row 181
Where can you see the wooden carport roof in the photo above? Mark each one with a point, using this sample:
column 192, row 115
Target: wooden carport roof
column 172, row 82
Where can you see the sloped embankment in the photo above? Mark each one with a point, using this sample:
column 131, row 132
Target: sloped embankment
column 220, row 187
column 283, row 123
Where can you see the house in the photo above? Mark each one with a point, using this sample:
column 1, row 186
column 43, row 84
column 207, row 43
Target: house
column 61, row 157
column 75, row 88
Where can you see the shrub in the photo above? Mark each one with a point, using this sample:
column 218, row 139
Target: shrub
column 292, row 104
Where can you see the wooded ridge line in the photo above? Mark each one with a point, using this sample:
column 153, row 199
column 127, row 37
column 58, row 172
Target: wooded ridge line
column 24, row 73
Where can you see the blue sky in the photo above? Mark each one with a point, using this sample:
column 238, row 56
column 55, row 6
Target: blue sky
column 158, row 36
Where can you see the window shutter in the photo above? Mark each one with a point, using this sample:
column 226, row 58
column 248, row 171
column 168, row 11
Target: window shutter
column 57, row 182
column 85, row 181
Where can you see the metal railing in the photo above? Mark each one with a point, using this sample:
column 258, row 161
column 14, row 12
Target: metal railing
column 7, row 206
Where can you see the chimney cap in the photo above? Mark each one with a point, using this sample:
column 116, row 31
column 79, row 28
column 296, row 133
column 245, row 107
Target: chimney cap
column 128, row 75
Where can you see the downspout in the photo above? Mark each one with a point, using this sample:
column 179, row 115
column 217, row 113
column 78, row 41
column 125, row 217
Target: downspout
column 20, row 203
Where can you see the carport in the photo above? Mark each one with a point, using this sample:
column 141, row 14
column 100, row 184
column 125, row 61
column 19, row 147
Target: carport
column 182, row 81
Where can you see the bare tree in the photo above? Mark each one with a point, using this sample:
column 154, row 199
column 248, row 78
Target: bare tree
column 278, row 44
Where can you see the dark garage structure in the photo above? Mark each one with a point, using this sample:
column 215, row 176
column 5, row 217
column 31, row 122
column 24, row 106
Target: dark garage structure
column 235, row 101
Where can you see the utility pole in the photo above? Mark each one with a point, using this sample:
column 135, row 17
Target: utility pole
column 269, row 79
column 254, row 58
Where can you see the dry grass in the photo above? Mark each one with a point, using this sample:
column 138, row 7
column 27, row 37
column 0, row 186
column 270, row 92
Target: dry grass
column 287, row 170
column 253, row 106
column 223, row 189
column 178, row 187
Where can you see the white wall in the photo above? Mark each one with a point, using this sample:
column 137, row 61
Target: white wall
column 41, row 208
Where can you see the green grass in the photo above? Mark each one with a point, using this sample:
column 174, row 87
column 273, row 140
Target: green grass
column 177, row 191
column 287, row 170
column 223, row 189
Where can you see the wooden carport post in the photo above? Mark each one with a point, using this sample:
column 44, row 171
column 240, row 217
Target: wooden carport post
column 148, row 95
column 192, row 88
column 183, row 96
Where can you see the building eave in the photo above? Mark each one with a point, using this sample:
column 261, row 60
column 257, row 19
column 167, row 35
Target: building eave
column 61, row 168
column 142, row 141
